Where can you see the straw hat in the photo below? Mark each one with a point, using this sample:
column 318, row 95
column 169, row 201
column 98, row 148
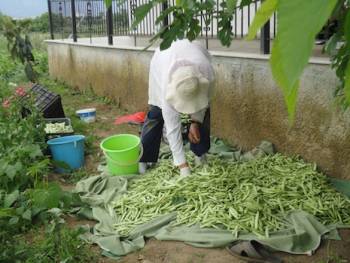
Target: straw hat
column 188, row 90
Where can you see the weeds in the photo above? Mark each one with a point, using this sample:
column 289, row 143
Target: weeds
column 76, row 176
column 27, row 199
column 57, row 243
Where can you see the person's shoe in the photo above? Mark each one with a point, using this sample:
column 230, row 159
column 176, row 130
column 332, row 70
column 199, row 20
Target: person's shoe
column 142, row 168
column 320, row 41
column 200, row 160
column 151, row 165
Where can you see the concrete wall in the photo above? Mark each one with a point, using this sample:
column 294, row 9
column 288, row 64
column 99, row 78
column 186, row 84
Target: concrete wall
column 247, row 106
column 118, row 74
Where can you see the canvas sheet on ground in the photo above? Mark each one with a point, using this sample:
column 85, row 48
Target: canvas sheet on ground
column 302, row 231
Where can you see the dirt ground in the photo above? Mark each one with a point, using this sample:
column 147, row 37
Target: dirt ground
column 177, row 252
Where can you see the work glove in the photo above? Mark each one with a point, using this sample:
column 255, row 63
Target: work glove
column 185, row 171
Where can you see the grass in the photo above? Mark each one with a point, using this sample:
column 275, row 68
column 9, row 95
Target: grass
column 38, row 41
column 76, row 176
column 62, row 245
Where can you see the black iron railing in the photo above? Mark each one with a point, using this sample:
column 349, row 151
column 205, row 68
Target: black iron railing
column 90, row 18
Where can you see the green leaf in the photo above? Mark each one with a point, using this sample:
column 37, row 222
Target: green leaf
column 231, row 6
column 293, row 44
column 246, row 2
column 14, row 220
column 11, row 171
column 331, row 46
column 11, row 198
column 56, row 211
column 20, row 210
column 261, row 17
column 35, row 151
column 141, row 12
column 27, row 215
column 108, row 3
column 347, row 29
column 225, row 30
column 174, row 31
column 347, row 83
column 28, row 69
column 47, row 197
column 185, row 4
column 6, row 212
column 165, row 13
column 195, row 29
column 289, row 92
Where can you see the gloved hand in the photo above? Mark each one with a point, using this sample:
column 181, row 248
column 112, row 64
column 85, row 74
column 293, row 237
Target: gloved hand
column 185, row 171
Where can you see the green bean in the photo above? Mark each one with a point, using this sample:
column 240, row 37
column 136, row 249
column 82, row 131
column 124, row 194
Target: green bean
column 252, row 196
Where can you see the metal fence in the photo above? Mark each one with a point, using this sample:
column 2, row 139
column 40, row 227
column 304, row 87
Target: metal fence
column 90, row 18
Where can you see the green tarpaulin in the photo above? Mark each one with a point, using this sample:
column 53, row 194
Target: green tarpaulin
column 303, row 235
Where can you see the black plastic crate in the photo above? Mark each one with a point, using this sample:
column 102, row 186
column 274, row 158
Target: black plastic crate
column 46, row 102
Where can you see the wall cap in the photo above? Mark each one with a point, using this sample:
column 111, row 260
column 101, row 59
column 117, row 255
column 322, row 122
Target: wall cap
column 229, row 54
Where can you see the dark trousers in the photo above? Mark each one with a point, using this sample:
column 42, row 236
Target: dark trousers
column 152, row 131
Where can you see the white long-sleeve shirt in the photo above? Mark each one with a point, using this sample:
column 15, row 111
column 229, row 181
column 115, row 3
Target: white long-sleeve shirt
column 163, row 65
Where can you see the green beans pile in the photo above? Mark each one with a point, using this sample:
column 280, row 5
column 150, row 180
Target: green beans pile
column 253, row 196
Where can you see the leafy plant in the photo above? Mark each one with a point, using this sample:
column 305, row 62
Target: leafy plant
column 41, row 66
column 27, row 198
column 61, row 245
column 57, row 243
column 25, row 194
column 19, row 44
column 7, row 67
column 291, row 48
column 22, row 141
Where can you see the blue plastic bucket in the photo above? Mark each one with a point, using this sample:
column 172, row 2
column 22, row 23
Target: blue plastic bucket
column 68, row 149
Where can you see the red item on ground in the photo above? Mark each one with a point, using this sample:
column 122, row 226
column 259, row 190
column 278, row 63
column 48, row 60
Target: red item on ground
column 136, row 118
